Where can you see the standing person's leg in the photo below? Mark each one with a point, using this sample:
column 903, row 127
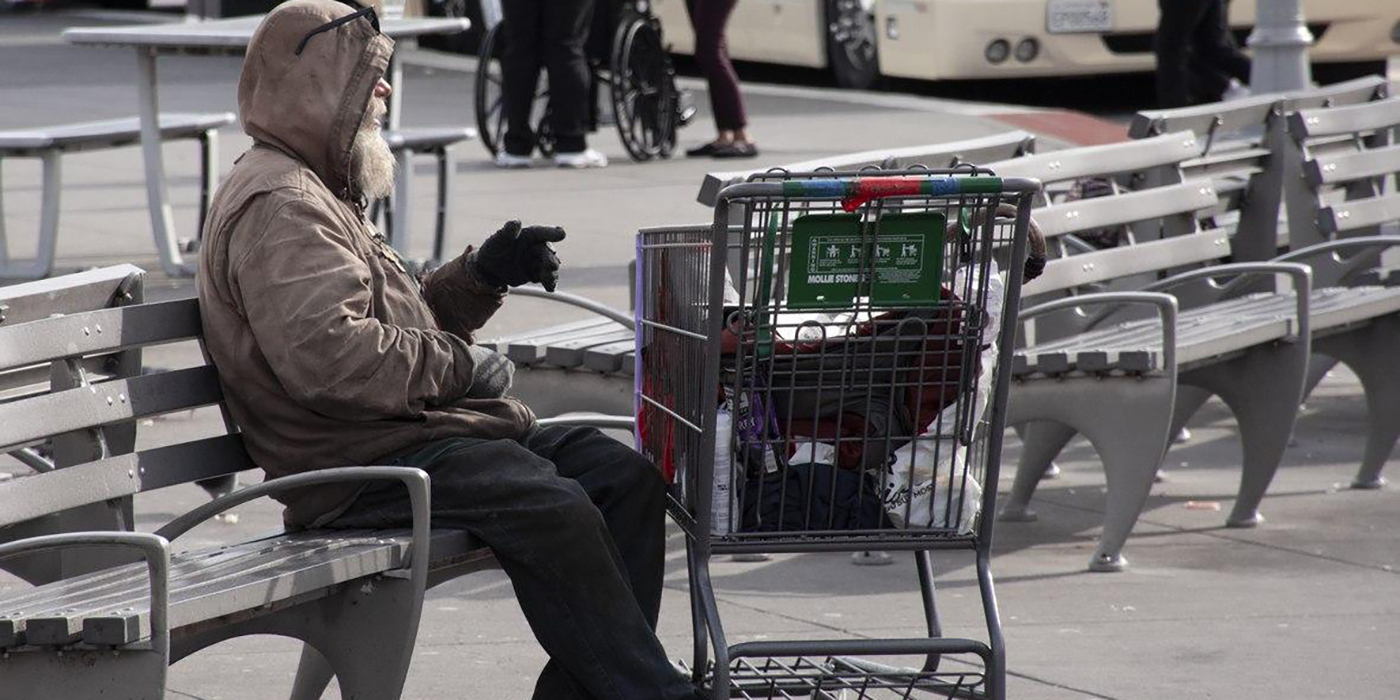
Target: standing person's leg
column 629, row 492
column 1172, row 44
column 1206, row 82
column 1215, row 47
column 566, row 25
column 554, row 544
column 520, row 71
column 709, row 19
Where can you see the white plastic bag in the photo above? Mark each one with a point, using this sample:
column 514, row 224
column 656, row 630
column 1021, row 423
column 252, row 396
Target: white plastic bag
column 920, row 476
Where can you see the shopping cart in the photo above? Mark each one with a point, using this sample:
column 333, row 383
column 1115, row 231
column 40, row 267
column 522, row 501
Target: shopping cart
column 818, row 370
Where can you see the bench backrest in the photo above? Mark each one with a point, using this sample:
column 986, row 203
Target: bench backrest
column 977, row 151
column 90, row 395
column 1147, row 192
column 1246, row 152
column 1346, row 155
column 1161, row 211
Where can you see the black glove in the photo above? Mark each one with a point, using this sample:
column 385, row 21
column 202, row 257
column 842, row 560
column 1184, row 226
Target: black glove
column 514, row 256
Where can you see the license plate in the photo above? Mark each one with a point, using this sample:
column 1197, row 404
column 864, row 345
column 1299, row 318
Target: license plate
column 1078, row 16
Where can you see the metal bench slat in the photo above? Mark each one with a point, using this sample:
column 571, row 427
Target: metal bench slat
column 1246, row 334
column 1128, row 156
column 204, row 592
column 502, row 342
column 1202, row 119
column 1359, row 213
column 1335, row 307
column 107, row 403
column 569, row 353
column 1345, row 167
column 123, row 475
column 1112, row 263
column 34, row 380
column 1136, row 331
column 1205, row 331
column 1351, row 119
column 128, row 581
column 316, row 569
column 53, row 602
column 81, row 291
column 111, row 132
column 1131, row 207
column 532, row 349
column 108, row 330
column 608, row 358
column 424, row 138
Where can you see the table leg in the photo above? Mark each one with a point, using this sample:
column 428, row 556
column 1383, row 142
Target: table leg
column 157, row 197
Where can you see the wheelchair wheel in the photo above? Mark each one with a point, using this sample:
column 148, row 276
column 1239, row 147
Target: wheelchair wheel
column 490, row 98
column 644, row 93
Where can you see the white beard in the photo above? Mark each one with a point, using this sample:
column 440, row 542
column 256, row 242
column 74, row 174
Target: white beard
column 371, row 162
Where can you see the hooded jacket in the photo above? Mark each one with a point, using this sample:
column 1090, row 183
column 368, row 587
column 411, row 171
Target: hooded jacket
column 329, row 353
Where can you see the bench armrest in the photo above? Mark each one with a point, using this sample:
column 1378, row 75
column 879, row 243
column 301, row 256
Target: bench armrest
column 593, row 420
column 154, row 549
column 1328, row 267
column 1301, row 275
column 1166, row 310
column 416, row 480
column 582, row 302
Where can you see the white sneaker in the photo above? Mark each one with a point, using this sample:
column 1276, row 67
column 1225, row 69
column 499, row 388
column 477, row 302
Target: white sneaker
column 584, row 159
column 508, row 160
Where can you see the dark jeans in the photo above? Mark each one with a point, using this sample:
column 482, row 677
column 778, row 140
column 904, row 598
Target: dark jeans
column 1196, row 56
column 576, row 519
column 709, row 17
column 551, row 34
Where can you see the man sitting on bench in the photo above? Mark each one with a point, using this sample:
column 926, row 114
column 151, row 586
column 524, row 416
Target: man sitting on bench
column 332, row 355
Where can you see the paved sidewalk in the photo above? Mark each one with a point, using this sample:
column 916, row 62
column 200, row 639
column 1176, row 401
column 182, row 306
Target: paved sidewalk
column 1308, row 604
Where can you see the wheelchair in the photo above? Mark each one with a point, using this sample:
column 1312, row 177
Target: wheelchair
column 627, row 58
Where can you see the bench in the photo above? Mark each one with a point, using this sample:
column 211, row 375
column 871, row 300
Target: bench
column 1093, row 364
column 1246, row 152
column 1339, row 200
column 353, row 596
column 1320, row 167
column 405, row 144
column 49, row 144
column 587, row 366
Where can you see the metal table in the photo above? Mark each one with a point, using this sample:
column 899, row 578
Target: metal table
column 220, row 37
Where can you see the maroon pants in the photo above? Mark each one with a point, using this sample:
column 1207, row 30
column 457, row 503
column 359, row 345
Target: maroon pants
column 708, row 17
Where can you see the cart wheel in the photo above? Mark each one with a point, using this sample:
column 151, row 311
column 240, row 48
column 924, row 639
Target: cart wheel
column 490, row 102
column 643, row 91
column 490, row 99
column 851, row 47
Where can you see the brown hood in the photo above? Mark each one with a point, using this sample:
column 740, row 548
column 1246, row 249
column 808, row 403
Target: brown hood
column 311, row 105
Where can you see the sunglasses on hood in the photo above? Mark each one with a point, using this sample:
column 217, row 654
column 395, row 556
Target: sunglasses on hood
column 336, row 23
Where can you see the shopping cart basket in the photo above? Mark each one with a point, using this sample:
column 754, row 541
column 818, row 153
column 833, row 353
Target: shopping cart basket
column 818, row 371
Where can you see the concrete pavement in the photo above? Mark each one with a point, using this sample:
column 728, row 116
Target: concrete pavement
column 1308, row 604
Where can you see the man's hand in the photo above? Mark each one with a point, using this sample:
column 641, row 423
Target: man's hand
column 514, row 256
column 492, row 373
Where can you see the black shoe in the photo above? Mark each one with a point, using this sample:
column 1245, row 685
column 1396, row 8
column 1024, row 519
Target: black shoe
column 735, row 150
column 702, row 151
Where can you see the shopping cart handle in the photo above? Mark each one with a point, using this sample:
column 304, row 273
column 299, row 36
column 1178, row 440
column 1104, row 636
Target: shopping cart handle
column 857, row 192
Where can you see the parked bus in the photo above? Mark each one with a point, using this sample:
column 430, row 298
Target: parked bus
column 861, row 40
